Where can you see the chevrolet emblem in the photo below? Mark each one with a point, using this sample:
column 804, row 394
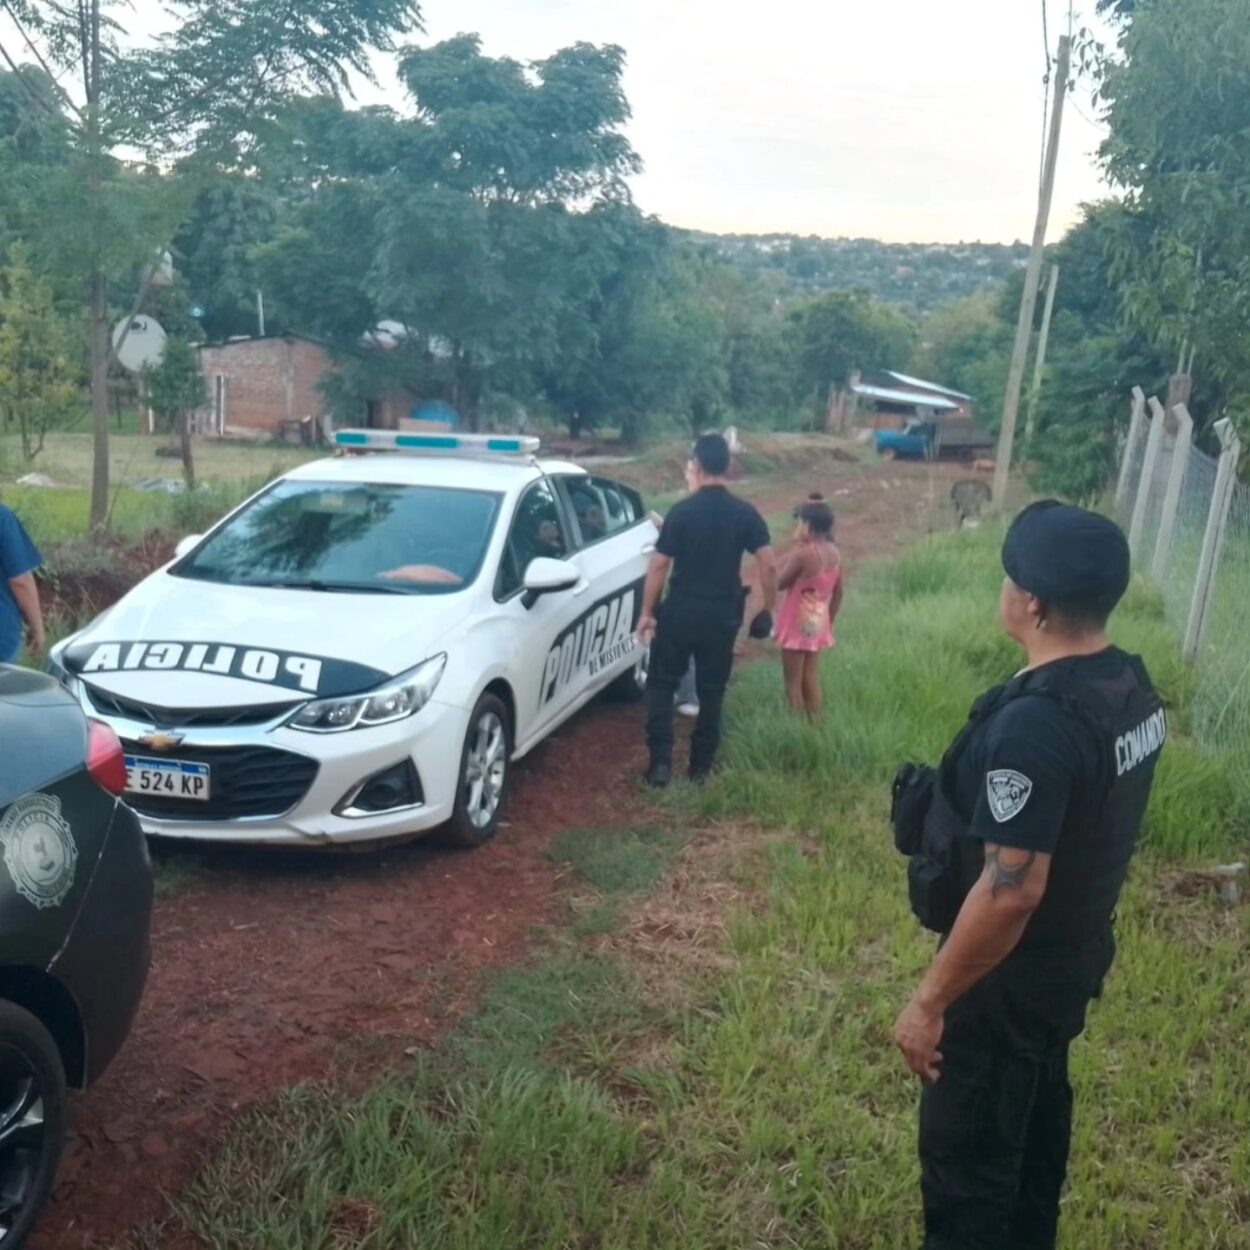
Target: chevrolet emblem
column 157, row 741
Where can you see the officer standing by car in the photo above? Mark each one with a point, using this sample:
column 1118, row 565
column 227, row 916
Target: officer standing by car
column 701, row 545
column 1020, row 843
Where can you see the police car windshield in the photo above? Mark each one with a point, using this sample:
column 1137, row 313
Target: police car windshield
column 371, row 538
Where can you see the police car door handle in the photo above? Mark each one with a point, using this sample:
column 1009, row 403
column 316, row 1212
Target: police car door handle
column 648, row 549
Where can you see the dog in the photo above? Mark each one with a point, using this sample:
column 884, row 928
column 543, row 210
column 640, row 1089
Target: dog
column 969, row 497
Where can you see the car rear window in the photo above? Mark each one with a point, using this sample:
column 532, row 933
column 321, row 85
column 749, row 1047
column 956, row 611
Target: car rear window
column 351, row 536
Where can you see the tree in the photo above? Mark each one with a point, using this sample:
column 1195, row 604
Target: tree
column 175, row 390
column 1096, row 356
column 201, row 91
column 39, row 376
column 967, row 345
column 844, row 331
column 1177, row 96
column 465, row 223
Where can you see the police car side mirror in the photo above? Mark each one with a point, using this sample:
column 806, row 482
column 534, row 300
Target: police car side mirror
column 187, row 545
column 546, row 576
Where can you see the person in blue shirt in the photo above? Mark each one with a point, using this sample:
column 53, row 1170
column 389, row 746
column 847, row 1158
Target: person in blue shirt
column 19, row 594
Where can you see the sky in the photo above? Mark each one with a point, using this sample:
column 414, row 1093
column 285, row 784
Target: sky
column 904, row 120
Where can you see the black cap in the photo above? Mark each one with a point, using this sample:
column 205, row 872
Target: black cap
column 1068, row 556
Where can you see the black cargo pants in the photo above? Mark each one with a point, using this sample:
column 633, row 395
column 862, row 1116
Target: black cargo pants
column 995, row 1129
column 686, row 631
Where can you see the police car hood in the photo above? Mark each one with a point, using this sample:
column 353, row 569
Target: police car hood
column 176, row 642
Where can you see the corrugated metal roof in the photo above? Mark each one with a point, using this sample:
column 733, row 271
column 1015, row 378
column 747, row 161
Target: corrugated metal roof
column 904, row 397
column 928, row 386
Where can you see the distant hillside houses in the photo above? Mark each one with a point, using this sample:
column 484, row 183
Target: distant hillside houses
column 919, row 277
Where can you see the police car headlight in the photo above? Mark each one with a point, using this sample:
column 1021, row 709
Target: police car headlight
column 397, row 700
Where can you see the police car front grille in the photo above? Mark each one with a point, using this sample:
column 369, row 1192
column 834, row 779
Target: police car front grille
column 245, row 783
column 187, row 717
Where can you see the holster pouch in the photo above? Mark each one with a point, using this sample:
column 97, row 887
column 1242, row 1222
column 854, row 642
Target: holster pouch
column 910, row 797
column 936, row 885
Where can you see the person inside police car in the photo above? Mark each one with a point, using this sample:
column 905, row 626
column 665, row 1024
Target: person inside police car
column 698, row 557
column 1020, row 843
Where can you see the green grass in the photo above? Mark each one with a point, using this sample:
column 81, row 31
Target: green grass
column 620, row 860
column 607, row 1102
column 228, row 472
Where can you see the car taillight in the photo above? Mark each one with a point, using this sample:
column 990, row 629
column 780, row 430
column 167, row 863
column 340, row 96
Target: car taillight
column 106, row 761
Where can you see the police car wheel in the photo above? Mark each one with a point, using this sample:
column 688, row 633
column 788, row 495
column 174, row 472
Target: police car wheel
column 485, row 771
column 631, row 685
column 32, row 1120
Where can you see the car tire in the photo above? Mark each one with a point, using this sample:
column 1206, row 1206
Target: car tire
column 888, row 453
column 485, row 776
column 33, row 1117
column 631, row 685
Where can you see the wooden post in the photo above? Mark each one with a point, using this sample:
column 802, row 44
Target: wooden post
column 1043, row 340
column 1130, row 447
column 1154, row 440
column 1213, row 539
column 1172, row 500
column 1032, row 279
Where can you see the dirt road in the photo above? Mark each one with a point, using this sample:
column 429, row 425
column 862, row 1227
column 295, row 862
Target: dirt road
column 271, row 969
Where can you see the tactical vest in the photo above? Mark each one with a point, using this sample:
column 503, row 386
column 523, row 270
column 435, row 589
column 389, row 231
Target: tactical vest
column 1098, row 837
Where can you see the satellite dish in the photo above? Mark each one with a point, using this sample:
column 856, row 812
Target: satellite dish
column 143, row 346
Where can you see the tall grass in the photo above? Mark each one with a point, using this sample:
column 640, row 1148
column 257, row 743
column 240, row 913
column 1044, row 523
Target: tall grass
column 919, row 641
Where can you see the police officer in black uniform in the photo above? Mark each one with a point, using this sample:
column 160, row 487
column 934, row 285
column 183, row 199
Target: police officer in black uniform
column 701, row 545
column 1020, row 843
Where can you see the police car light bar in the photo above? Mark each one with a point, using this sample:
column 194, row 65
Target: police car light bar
column 463, row 444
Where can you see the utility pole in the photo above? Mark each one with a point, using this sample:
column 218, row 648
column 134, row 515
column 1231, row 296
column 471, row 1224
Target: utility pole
column 1032, row 280
column 1043, row 339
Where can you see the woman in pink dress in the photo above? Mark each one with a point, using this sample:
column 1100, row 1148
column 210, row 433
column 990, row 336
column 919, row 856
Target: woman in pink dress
column 811, row 578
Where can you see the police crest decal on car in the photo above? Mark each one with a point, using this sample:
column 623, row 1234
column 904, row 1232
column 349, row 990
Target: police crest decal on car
column 39, row 850
column 1008, row 792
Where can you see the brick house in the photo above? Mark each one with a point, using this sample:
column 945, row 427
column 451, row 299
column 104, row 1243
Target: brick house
column 270, row 385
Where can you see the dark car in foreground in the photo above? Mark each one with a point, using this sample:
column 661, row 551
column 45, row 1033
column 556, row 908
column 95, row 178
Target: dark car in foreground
column 75, row 911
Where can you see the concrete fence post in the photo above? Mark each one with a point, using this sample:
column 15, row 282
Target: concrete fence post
column 1130, row 447
column 1213, row 539
column 1172, row 499
column 1154, row 440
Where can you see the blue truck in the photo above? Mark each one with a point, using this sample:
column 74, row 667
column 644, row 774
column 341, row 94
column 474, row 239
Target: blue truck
column 927, row 440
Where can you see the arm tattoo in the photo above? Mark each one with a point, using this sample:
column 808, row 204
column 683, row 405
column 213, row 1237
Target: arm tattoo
column 1010, row 875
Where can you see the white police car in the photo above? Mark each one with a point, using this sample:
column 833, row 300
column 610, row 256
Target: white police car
column 362, row 650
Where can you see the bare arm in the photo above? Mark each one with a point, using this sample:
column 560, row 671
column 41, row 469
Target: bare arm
column 835, row 599
column 990, row 924
column 26, row 593
column 802, row 562
column 766, row 563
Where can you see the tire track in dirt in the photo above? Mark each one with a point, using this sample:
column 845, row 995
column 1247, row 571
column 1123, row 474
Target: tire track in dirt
column 275, row 968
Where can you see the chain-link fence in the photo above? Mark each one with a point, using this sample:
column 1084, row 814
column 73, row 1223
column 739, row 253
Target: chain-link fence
column 1221, row 708
column 1189, row 520
column 1186, row 545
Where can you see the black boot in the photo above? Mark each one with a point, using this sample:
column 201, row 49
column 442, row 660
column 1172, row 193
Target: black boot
column 659, row 774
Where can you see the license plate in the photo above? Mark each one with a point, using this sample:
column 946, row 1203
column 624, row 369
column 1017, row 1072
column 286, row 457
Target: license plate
column 175, row 779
